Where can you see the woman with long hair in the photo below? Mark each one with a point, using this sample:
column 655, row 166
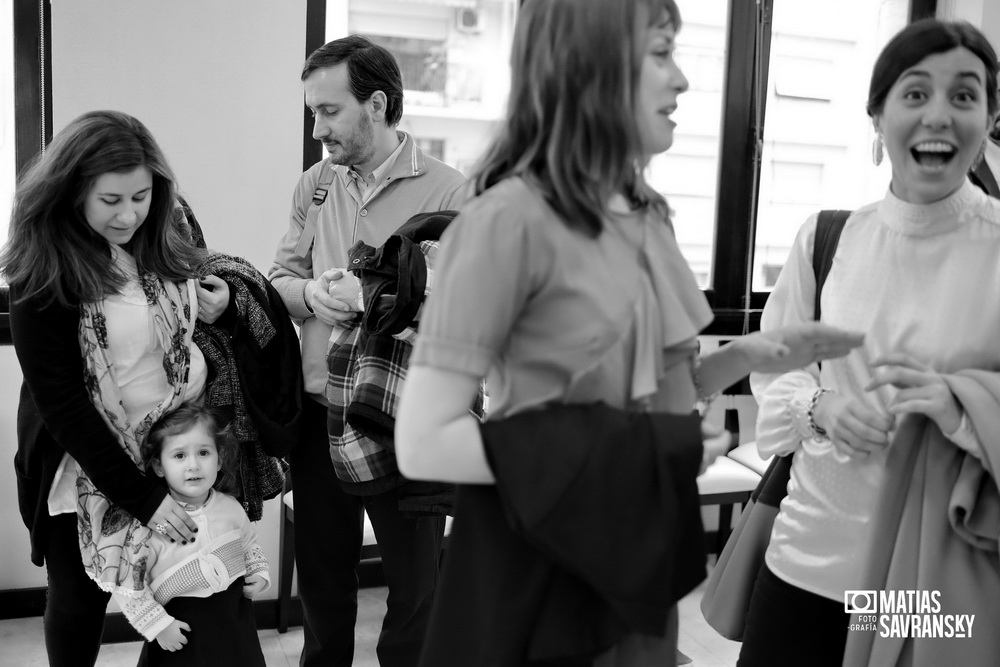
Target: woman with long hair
column 104, row 293
column 563, row 286
column 885, row 440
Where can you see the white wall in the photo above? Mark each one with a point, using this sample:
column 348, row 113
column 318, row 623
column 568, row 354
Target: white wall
column 218, row 85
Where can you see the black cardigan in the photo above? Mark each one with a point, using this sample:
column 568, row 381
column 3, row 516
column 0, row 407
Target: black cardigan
column 55, row 415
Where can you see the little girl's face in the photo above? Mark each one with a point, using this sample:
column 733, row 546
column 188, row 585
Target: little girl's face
column 189, row 462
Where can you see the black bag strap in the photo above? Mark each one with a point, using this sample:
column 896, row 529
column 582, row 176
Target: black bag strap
column 773, row 486
column 829, row 225
column 323, row 183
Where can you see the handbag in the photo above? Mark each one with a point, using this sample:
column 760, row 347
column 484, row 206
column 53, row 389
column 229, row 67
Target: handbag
column 726, row 600
column 727, row 594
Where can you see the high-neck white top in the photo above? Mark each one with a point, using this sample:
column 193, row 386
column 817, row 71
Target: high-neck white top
column 919, row 279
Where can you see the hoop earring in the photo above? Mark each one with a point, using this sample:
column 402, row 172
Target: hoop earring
column 877, row 150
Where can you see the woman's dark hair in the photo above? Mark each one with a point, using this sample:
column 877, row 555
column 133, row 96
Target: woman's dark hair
column 570, row 127
column 52, row 251
column 924, row 38
column 182, row 420
column 370, row 68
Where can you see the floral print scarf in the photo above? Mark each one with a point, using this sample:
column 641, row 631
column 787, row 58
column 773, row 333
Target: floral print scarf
column 114, row 544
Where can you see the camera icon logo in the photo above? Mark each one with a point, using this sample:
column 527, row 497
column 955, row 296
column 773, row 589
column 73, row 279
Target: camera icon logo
column 861, row 602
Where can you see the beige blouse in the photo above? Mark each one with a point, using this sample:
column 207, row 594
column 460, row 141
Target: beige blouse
column 548, row 314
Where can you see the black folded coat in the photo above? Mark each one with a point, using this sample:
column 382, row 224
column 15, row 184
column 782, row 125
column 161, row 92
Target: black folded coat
column 592, row 532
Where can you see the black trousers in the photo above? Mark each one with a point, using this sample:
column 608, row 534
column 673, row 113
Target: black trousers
column 74, row 605
column 328, row 534
column 789, row 626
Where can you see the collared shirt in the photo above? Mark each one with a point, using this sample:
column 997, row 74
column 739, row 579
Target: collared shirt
column 363, row 188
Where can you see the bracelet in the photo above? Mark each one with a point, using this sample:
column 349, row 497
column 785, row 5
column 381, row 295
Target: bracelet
column 704, row 398
column 817, row 430
column 360, row 301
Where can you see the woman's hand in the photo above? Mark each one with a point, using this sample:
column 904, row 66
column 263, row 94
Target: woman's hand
column 172, row 637
column 213, row 298
column 171, row 521
column 796, row 346
column 921, row 390
column 853, row 427
column 716, row 443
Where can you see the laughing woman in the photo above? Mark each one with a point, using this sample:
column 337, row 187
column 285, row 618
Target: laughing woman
column 895, row 449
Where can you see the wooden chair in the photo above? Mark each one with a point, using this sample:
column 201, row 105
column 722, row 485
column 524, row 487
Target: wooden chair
column 729, row 481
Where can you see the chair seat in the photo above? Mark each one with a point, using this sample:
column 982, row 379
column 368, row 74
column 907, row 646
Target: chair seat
column 748, row 455
column 369, row 533
column 727, row 476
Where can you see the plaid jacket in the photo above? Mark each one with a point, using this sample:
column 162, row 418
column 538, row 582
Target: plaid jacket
column 369, row 370
column 367, row 361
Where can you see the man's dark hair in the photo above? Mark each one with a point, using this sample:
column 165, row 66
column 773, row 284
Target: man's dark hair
column 370, row 68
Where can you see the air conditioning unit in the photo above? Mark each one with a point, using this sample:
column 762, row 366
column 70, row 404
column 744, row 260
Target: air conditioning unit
column 468, row 19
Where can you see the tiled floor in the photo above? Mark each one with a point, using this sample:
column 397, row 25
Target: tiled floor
column 21, row 643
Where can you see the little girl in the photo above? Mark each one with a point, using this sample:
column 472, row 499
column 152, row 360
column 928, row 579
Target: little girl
column 196, row 601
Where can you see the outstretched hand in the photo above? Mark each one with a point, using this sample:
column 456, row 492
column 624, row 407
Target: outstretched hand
column 796, row 346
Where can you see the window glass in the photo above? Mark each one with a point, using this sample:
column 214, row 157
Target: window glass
column 453, row 55
column 687, row 175
column 817, row 135
column 7, row 139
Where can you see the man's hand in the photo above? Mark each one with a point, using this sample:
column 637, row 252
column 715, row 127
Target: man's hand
column 346, row 288
column 327, row 308
column 172, row 638
column 254, row 585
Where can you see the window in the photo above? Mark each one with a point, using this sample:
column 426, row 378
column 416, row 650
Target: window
column 688, row 174
column 817, row 136
column 453, row 56
column 741, row 181
column 8, row 163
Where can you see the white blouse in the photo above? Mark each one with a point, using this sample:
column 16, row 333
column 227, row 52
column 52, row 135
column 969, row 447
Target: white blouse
column 136, row 353
column 922, row 280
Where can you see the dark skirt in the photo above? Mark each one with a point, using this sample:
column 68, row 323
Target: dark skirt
column 223, row 632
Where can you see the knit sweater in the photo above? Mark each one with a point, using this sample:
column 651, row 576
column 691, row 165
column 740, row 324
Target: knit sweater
column 226, row 549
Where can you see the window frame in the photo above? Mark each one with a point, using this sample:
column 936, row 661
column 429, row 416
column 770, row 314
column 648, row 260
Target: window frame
column 737, row 308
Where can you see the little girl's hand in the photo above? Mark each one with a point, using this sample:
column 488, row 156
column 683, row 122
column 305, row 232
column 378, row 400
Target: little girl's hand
column 172, row 637
column 253, row 586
